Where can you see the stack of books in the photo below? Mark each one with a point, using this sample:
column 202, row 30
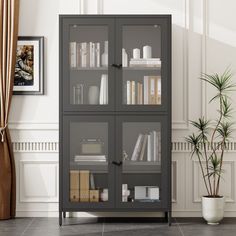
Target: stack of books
column 147, row 93
column 84, row 54
column 142, row 62
column 88, row 158
column 148, row 147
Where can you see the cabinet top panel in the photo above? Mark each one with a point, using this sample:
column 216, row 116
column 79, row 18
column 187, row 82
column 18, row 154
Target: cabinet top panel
column 113, row 16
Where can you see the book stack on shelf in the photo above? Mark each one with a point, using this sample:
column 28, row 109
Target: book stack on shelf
column 90, row 158
column 145, row 62
column 85, row 54
column 82, row 187
column 148, row 92
column 148, row 147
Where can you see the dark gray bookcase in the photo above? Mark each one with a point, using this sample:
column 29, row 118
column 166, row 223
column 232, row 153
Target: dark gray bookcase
column 115, row 113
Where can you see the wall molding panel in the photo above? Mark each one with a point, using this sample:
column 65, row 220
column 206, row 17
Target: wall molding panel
column 38, row 181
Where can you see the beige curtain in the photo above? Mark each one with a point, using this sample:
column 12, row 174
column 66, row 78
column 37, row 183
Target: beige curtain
column 9, row 13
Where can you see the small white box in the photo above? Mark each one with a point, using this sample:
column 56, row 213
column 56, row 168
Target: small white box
column 153, row 193
column 140, row 192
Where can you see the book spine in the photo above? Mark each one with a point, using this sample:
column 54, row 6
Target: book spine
column 78, row 57
column 133, row 94
column 97, row 56
column 105, row 89
column 136, row 148
column 84, row 185
column 91, row 54
column 74, row 185
column 159, row 90
column 73, row 54
column 143, row 147
column 141, row 94
column 154, row 145
column 101, row 95
column 128, row 89
column 149, row 157
column 145, row 90
column 83, row 54
column 152, row 90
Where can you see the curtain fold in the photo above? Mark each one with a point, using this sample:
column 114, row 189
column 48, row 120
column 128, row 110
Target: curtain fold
column 9, row 14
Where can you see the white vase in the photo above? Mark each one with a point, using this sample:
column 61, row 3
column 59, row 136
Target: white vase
column 93, row 95
column 213, row 209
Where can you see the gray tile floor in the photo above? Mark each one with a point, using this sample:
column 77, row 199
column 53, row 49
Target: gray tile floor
column 90, row 227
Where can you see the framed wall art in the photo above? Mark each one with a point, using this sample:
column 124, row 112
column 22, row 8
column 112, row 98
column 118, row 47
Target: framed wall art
column 28, row 79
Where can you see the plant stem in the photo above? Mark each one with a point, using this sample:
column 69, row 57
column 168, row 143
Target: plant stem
column 207, row 167
column 212, row 138
column 221, row 163
column 203, row 174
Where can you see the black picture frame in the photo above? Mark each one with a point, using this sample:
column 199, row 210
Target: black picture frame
column 29, row 67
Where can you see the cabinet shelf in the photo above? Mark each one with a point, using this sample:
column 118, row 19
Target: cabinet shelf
column 141, row 68
column 90, row 69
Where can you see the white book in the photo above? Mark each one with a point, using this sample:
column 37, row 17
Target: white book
column 91, row 54
column 149, row 157
column 97, row 55
column 137, row 148
column 105, row 89
column 145, row 90
column 144, row 146
column 78, row 57
column 84, row 54
column 73, row 54
column 159, row 90
column 101, row 95
column 154, row 145
column 133, row 93
column 159, row 146
column 128, row 88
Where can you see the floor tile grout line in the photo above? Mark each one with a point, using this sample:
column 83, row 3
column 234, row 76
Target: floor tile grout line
column 103, row 226
column 26, row 228
column 182, row 233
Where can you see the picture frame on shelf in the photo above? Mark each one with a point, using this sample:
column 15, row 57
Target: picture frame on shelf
column 29, row 68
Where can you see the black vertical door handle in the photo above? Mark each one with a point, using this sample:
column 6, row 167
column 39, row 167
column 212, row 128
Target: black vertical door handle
column 117, row 163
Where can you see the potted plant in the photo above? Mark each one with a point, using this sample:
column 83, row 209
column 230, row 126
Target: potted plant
column 209, row 144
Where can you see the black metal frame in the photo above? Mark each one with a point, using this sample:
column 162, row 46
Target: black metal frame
column 116, row 110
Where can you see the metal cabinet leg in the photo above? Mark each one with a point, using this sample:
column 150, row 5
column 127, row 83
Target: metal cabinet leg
column 169, row 218
column 166, row 216
column 64, row 214
column 60, row 218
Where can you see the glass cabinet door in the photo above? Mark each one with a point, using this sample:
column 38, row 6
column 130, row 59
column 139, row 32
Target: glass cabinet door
column 87, row 51
column 89, row 151
column 142, row 78
column 143, row 161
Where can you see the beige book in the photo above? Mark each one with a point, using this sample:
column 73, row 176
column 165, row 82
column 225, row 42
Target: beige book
column 151, row 91
column 84, row 180
column 84, row 195
column 133, row 95
column 94, row 195
column 141, row 94
column 74, row 179
column 74, row 195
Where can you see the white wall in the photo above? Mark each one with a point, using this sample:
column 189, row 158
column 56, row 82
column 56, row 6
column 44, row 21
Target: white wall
column 203, row 39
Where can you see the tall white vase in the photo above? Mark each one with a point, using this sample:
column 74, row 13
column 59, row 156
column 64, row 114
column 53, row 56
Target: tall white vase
column 213, row 209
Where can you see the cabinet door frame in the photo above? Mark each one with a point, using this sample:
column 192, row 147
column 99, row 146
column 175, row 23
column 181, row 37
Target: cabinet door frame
column 165, row 193
column 64, row 55
column 165, row 24
column 66, row 163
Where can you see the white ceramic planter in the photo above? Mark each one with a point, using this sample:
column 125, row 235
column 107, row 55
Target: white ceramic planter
column 213, row 209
